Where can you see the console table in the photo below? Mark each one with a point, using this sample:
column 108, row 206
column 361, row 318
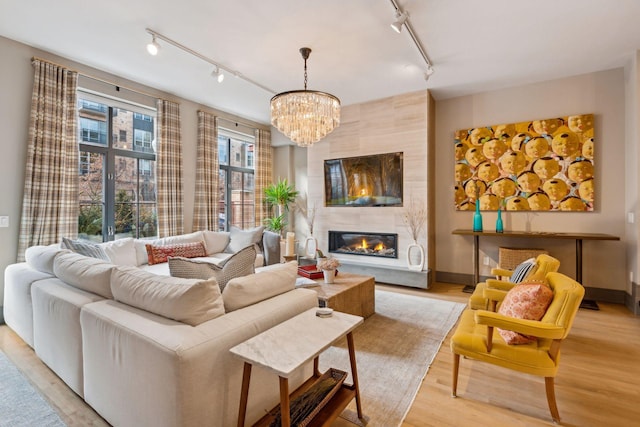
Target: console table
column 289, row 345
column 578, row 237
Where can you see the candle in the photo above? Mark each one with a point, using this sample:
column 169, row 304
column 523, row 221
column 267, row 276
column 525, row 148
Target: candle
column 290, row 248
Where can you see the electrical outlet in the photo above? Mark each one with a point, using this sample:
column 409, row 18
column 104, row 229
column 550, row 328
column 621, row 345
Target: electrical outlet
column 487, row 260
column 4, row 221
column 631, row 218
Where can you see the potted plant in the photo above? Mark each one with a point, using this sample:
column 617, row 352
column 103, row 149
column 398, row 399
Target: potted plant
column 280, row 195
column 328, row 267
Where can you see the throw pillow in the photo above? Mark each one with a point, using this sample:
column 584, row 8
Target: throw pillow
column 160, row 253
column 526, row 301
column 121, row 251
column 84, row 248
column 215, row 241
column 248, row 290
column 240, row 239
column 523, row 270
column 185, row 300
column 237, row 265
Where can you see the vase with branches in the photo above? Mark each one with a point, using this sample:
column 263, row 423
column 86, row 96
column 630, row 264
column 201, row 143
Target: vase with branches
column 415, row 218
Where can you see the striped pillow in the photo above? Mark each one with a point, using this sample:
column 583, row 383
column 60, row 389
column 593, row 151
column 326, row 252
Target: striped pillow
column 524, row 270
column 160, row 253
column 238, row 265
column 85, row 248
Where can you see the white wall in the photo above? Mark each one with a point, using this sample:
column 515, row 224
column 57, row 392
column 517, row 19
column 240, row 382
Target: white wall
column 602, row 93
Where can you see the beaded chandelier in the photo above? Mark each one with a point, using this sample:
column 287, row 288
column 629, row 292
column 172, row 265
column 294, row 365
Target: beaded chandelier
column 305, row 116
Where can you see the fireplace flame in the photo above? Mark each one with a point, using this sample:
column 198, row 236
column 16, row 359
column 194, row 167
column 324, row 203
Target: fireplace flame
column 364, row 244
column 379, row 247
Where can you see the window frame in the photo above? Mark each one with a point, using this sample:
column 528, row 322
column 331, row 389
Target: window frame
column 110, row 154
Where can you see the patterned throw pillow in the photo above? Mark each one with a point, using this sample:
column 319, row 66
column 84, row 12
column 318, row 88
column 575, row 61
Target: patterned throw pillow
column 523, row 270
column 237, row 265
column 160, row 253
column 526, row 301
column 85, row 248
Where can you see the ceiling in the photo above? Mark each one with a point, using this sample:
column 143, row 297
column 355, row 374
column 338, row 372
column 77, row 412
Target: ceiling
column 475, row 46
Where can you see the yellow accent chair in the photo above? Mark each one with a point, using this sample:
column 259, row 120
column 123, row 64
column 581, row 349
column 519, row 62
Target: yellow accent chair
column 476, row 337
column 484, row 293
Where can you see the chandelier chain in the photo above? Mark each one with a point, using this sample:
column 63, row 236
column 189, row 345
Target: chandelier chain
column 305, row 74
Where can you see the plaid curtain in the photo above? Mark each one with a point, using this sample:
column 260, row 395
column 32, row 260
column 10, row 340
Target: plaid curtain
column 50, row 201
column 205, row 215
column 264, row 171
column 169, row 170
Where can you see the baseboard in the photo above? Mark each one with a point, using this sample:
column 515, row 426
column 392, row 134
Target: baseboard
column 632, row 302
column 597, row 294
column 457, row 278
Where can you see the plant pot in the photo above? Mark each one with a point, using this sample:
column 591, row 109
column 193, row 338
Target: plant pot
column 329, row 276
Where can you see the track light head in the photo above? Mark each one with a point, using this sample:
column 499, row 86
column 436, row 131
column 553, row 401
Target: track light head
column 153, row 47
column 428, row 73
column 218, row 74
column 401, row 18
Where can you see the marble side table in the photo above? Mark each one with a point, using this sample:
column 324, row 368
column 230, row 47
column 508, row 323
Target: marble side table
column 276, row 351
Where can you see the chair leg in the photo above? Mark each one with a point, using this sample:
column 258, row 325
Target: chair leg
column 454, row 382
column 551, row 399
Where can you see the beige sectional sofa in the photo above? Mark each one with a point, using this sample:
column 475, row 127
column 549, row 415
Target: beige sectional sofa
column 127, row 356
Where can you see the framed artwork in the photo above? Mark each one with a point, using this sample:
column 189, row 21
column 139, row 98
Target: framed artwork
column 539, row 165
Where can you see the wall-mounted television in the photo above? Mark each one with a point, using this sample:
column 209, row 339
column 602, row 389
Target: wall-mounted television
column 374, row 180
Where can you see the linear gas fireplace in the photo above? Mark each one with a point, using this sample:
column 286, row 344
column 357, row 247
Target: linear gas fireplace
column 383, row 245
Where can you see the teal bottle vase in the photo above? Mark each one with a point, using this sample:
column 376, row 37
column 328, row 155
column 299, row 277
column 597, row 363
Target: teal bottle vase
column 499, row 227
column 477, row 218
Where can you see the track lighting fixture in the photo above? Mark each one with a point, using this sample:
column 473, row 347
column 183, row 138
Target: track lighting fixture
column 218, row 74
column 153, row 47
column 401, row 18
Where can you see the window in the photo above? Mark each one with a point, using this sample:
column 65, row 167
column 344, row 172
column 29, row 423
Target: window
column 117, row 192
column 236, row 184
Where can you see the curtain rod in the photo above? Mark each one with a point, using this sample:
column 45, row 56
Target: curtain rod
column 98, row 79
column 240, row 122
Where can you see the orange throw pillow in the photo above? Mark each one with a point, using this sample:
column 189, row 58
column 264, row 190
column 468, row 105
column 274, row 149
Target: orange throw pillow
column 161, row 253
column 526, row 301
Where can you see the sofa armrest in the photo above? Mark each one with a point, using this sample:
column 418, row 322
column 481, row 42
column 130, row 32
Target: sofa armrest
column 522, row 326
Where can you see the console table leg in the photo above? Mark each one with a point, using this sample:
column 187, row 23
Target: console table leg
column 285, row 411
column 244, row 394
column 354, row 372
column 579, row 261
column 476, row 260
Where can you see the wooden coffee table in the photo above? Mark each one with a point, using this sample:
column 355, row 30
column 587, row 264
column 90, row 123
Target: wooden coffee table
column 350, row 293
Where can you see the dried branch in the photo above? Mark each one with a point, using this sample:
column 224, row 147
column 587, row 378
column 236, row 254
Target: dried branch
column 415, row 218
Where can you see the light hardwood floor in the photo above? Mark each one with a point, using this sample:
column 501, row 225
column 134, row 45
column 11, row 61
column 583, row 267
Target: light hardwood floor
column 598, row 383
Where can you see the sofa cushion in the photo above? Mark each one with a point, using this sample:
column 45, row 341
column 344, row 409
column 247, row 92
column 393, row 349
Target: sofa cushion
column 237, row 265
column 240, row 239
column 526, row 301
column 85, row 248
column 160, row 253
column 41, row 257
column 82, row 272
column 274, row 280
column 121, row 251
column 190, row 301
column 215, row 241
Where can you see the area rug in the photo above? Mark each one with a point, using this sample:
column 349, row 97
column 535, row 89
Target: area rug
column 394, row 349
column 20, row 404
